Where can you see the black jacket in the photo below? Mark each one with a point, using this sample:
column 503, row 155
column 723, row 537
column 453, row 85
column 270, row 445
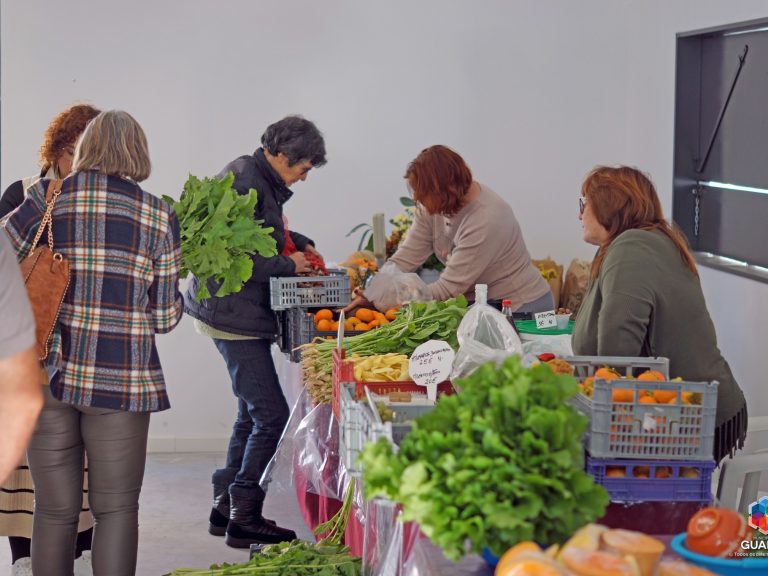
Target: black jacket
column 12, row 198
column 248, row 312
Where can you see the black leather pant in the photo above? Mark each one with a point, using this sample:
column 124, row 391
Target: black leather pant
column 116, row 442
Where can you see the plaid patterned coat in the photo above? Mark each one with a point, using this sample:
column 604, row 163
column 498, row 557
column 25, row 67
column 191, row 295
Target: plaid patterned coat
column 124, row 252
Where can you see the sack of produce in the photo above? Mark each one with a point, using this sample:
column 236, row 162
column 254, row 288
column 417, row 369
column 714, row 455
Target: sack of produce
column 552, row 272
column 575, row 284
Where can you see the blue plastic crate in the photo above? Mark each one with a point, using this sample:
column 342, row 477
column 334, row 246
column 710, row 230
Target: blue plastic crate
column 664, row 482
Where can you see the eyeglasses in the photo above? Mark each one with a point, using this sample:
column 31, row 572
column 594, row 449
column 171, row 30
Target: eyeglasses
column 582, row 204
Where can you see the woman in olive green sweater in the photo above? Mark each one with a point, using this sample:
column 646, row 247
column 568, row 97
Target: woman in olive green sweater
column 644, row 296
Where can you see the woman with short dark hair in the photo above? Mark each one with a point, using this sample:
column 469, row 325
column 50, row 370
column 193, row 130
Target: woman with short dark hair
column 123, row 248
column 644, row 296
column 243, row 327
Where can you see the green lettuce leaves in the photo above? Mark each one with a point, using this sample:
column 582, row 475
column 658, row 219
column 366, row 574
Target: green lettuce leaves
column 498, row 464
column 219, row 233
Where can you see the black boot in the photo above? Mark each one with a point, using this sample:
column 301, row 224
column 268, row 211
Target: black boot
column 247, row 526
column 219, row 518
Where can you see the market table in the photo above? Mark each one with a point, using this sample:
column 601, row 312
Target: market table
column 307, row 463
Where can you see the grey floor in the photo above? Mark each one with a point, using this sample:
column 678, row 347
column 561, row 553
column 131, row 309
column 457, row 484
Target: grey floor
column 173, row 517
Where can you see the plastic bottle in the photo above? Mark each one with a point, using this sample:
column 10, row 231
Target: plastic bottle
column 506, row 309
column 481, row 293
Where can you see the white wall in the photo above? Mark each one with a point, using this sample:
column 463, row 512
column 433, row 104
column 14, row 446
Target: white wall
column 532, row 94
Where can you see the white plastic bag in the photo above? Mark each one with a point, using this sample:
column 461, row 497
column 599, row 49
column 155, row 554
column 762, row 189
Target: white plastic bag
column 484, row 335
column 391, row 287
column 533, row 345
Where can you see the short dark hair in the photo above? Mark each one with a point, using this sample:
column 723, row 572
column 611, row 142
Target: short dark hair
column 297, row 138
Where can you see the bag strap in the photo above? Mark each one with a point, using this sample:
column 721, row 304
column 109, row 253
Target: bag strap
column 54, row 189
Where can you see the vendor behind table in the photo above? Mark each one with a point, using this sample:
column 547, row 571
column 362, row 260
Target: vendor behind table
column 471, row 229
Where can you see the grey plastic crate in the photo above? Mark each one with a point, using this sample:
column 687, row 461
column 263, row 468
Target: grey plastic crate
column 625, row 365
column 360, row 424
column 300, row 329
column 310, row 291
column 676, row 431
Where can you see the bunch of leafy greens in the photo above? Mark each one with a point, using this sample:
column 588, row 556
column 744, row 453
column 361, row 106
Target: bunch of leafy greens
column 497, row 464
column 219, row 233
column 297, row 558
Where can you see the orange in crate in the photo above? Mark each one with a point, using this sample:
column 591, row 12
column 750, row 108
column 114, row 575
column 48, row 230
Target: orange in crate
column 323, row 314
column 365, row 315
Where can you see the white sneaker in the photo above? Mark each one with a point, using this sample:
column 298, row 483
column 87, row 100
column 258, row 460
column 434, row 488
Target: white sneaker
column 83, row 565
column 22, row 567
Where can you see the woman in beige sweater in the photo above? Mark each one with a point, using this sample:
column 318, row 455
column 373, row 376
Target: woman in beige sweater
column 471, row 230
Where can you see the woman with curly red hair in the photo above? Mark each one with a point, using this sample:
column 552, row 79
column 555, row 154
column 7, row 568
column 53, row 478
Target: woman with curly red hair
column 56, row 152
column 644, row 297
column 17, row 494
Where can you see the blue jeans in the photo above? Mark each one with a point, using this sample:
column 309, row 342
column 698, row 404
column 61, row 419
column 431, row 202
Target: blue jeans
column 262, row 413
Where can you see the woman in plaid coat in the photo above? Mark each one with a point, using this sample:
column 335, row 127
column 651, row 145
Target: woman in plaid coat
column 123, row 247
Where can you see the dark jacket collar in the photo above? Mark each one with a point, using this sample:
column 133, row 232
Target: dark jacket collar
column 282, row 192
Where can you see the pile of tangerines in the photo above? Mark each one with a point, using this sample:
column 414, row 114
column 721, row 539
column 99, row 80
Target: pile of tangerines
column 621, row 395
column 363, row 319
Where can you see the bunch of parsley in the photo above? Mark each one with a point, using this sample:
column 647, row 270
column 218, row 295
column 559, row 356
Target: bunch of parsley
column 497, row 464
column 219, row 233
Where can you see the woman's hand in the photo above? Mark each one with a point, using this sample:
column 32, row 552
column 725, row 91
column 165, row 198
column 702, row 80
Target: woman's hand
column 300, row 264
column 359, row 301
column 313, row 250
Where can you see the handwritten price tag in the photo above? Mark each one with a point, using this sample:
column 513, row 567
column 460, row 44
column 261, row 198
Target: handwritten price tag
column 545, row 319
column 431, row 364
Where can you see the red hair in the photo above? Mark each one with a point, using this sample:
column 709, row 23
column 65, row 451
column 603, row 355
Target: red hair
column 440, row 179
column 64, row 130
column 624, row 198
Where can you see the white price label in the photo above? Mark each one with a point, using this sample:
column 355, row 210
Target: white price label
column 649, row 423
column 431, row 364
column 545, row 319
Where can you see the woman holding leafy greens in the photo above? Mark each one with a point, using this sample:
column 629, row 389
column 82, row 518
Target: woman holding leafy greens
column 472, row 230
column 243, row 327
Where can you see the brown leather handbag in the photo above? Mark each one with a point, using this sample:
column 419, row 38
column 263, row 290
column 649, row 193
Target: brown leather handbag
column 46, row 275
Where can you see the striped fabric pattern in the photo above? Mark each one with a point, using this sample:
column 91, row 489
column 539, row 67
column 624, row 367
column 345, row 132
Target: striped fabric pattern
column 17, row 499
column 124, row 252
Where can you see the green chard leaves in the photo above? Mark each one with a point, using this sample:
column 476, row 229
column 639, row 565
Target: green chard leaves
column 297, row 558
column 219, row 233
column 497, row 464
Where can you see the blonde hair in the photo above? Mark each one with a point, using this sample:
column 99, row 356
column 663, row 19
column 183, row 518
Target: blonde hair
column 113, row 143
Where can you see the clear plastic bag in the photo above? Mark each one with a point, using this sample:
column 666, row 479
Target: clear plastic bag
column 391, row 287
column 484, row 335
